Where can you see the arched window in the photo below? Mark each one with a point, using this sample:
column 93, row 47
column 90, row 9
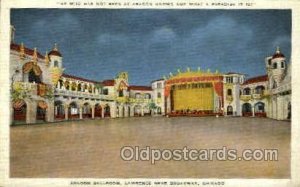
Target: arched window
column 247, row 91
column 275, row 65
column 121, row 94
column 32, row 77
column 137, row 95
column 158, row 95
column 229, row 92
column 55, row 63
column 282, row 64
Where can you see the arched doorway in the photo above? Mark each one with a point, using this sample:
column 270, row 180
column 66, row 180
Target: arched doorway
column 123, row 112
column 117, row 111
column 32, row 72
column 247, row 109
column 137, row 110
column 73, row 111
column 20, row 109
column 229, row 110
column 289, row 109
column 86, row 110
column 159, row 110
column 59, row 110
column 98, row 111
column 41, row 111
column 107, row 111
column 147, row 111
column 259, row 109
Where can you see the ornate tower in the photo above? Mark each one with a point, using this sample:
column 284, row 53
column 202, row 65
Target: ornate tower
column 54, row 60
column 276, row 68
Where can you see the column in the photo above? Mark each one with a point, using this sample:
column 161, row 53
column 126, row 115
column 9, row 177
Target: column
column 50, row 112
column 131, row 111
column 113, row 110
column 142, row 111
column 80, row 112
column 66, row 107
column 126, row 111
column 31, row 112
column 93, row 111
column 102, row 111
column 120, row 111
column 253, row 113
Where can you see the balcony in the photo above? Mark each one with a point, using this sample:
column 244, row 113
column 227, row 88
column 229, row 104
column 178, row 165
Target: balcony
column 140, row 100
column 25, row 88
column 257, row 96
column 88, row 95
column 245, row 97
column 122, row 99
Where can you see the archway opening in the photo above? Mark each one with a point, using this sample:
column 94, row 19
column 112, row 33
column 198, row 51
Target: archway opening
column 73, row 111
column 247, row 109
column 123, row 111
column 229, row 110
column 259, row 109
column 86, row 110
column 147, row 111
column 41, row 111
column 137, row 110
column 20, row 109
column 107, row 111
column 98, row 111
column 159, row 110
column 59, row 110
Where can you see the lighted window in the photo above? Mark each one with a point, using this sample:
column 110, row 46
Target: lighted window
column 55, row 63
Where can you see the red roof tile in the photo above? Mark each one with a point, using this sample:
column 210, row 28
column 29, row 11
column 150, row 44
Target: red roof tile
column 140, row 88
column 16, row 47
column 261, row 78
column 55, row 53
column 108, row 82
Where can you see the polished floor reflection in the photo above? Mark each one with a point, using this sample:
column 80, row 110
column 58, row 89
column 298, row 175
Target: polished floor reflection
column 91, row 148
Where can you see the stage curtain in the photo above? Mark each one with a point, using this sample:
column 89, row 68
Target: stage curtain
column 218, row 86
column 194, row 99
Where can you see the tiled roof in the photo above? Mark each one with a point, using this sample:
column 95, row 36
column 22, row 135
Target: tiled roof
column 27, row 51
column 140, row 88
column 108, row 82
column 261, row 78
column 55, row 53
column 78, row 78
column 157, row 80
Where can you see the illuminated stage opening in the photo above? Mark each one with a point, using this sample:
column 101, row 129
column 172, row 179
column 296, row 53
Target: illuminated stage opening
column 194, row 94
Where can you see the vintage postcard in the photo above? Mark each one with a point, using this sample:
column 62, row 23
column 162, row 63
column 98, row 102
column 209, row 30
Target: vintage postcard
column 149, row 93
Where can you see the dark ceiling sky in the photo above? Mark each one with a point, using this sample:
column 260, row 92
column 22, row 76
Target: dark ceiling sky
column 98, row 43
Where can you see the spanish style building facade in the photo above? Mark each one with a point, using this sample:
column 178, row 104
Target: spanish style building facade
column 42, row 92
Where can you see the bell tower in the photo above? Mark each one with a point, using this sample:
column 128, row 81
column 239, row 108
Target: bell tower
column 276, row 68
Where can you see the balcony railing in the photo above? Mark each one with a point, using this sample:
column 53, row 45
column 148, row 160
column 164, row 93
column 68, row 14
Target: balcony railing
column 31, row 88
column 140, row 100
column 83, row 94
column 245, row 97
column 257, row 96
